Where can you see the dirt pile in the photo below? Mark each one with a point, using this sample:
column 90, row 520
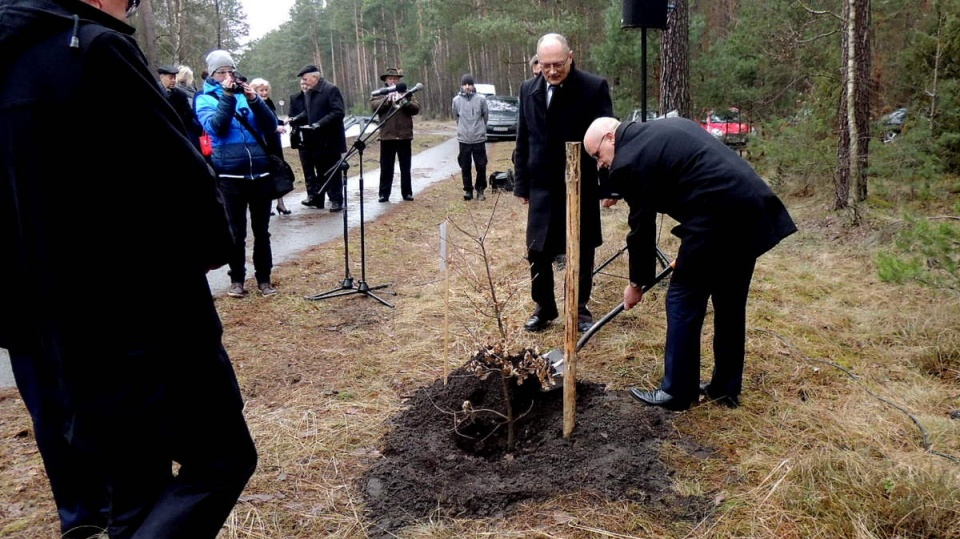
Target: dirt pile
column 442, row 461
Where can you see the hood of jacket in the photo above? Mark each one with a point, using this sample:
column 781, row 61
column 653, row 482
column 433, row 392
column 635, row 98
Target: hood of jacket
column 23, row 22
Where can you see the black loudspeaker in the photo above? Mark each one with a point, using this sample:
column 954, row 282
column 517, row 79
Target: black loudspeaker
column 644, row 14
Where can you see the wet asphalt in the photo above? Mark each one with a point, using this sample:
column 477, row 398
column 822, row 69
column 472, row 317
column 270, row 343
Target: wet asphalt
column 290, row 235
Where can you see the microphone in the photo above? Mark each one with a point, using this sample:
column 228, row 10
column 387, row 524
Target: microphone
column 399, row 87
column 416, row 88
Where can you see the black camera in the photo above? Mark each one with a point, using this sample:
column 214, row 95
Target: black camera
column 236, row 87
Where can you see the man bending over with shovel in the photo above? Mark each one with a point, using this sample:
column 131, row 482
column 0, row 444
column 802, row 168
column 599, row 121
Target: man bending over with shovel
column 728, row 217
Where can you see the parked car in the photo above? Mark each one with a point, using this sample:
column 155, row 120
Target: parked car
column 638, row 113
column 354, row 124
column 891, row 124
column 730, row 126
column 504, row 115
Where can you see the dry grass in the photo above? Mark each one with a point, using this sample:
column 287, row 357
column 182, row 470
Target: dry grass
column 844, row 429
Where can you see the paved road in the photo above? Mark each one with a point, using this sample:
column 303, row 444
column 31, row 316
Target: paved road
column 291, row 234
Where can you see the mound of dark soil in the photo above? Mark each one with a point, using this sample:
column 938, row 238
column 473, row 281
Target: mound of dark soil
column 442, row 459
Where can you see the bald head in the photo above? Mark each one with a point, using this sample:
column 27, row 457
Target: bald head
column 598, row 141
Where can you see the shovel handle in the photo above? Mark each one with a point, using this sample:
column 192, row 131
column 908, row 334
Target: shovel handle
column 619, row 309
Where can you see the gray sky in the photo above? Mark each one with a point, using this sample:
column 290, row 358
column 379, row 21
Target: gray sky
column 265, row 15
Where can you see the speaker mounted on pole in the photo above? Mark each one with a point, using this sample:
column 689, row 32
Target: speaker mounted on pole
column 644, row 14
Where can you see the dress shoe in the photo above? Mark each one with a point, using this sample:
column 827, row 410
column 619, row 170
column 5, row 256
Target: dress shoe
column 468, row 194
column 584, row 326
column 538, row 322
column 408, row 198
column 659, row 397
column 480, row 195
column 311, row 202
column 383, row 199
column 335, row 207
column 726, row 400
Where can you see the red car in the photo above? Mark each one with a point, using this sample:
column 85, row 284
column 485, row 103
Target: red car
column 730, row 126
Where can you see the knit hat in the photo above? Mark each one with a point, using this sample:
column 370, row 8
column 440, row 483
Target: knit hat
column 218, row 59
column 466, row 79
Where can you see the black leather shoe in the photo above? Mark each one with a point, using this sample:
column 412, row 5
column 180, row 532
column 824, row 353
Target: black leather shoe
column 310, row 201
column 408, row 198
column 537, row 323
column 383, row 199
column 584, row 326
column 335, row 207
column 726, row 400
column 659, row 397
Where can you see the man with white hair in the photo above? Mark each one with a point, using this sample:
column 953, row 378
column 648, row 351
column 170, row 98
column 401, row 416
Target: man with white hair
column 728, row 217
column 556, row 107
column 316, row 116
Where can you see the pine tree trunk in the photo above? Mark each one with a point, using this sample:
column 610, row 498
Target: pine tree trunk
column 675, row 71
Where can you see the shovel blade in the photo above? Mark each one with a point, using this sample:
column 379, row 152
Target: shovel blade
column 558, row 365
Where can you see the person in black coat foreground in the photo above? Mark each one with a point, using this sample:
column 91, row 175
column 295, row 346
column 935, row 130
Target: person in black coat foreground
column 114, row 338
column 556, row 107
column 728, row 217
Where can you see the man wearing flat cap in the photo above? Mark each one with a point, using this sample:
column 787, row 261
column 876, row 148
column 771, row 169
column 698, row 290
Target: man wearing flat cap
column 396, row 134
column 316, row 118
column 180, row 102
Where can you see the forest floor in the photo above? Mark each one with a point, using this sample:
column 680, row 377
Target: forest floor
column 360, row 416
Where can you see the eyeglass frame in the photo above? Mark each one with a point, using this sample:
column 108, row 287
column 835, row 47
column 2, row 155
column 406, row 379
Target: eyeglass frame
column 228, row 72
column 554, row 65
column 596, row 153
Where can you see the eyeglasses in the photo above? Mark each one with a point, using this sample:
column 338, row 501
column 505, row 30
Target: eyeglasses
column 596, row 155
column 132, row 6
column 555, row 65
column 225, row 72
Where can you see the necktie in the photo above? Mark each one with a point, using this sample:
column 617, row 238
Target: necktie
column 550, row 89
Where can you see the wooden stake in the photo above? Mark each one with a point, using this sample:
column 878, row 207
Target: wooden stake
column 571, row 286
column 444, row 267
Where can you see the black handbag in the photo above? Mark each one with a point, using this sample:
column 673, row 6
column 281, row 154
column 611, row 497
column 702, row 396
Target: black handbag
column 281, row 173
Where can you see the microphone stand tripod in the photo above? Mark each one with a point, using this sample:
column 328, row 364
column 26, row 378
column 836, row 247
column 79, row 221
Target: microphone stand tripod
column 347, row 286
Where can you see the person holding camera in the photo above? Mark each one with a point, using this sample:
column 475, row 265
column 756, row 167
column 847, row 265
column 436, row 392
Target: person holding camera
column 234, row 116
column 316, row 121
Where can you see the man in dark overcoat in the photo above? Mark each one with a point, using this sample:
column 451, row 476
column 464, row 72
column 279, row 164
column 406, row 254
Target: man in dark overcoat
column 113, row 335
column 728, row 216
column 316, row 118
column 556, row 107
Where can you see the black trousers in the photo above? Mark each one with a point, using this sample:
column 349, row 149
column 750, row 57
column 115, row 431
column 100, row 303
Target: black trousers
column 239, row 195
column 109, row 454
column 402, row 151
column 79, row 486
column 478, row 154
column 727, row 284
column 316, row 163
column 542, row 283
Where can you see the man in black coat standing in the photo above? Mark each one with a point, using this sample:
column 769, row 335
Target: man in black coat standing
column 556, row 107
column 114, row 338
column 728, row 217
column 316, row 118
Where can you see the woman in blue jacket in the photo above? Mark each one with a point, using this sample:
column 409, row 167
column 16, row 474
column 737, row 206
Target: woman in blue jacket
column 241, row 163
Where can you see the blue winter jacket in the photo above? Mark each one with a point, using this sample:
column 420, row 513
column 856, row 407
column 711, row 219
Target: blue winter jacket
column 236, row 152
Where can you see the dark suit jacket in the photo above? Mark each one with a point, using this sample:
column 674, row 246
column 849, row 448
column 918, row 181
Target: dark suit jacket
column 542, row 135
column 724, row 208
column 325, row 115
column 181, row 103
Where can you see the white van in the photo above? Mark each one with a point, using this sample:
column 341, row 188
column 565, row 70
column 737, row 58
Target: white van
column 486, row 89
